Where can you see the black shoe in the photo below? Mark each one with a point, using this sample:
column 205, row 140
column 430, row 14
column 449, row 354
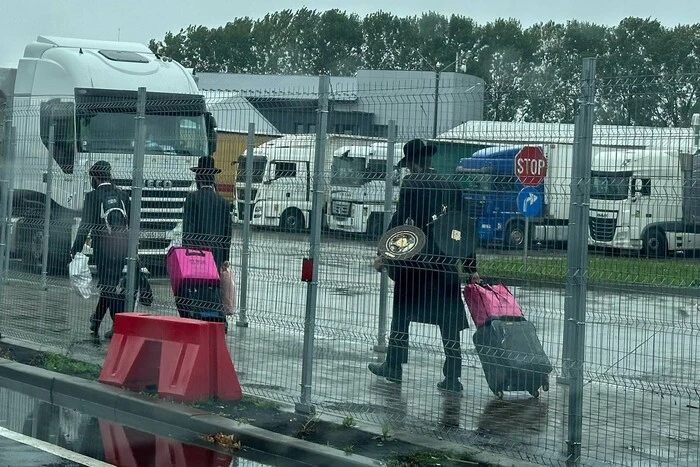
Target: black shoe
column 109, row 334
column 94, row 324
column 452, row 385
column 383, row 370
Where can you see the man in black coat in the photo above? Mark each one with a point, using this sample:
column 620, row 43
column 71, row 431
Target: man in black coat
column 109, row 248
column 426, row 289
column 207, row 215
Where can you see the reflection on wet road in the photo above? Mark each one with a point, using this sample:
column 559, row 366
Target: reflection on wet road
column 37, row 433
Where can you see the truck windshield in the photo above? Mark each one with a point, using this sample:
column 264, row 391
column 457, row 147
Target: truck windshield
column 477, row 182
column 607, row 186
column 165, row 134
column 174, row 123
column 259, row 163
column 348, row 171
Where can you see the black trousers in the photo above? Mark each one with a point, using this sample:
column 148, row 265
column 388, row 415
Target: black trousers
column 110, row 301
column 109, row 272
column 397, row 350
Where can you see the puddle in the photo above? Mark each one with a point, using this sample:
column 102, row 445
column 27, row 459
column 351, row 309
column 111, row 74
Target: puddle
column 114, row 443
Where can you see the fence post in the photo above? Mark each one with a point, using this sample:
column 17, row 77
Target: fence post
column 4, row 182
column 47, row 206
column 247, row 215
column 136, row 190
column 388, row 212
column 577, row 262
column 305, row 405
column 10, row 232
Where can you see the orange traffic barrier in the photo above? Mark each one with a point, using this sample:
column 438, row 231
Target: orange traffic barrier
column 186, row 359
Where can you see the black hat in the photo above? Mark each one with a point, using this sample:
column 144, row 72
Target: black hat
column 101, row 169
column 416, row 151
column 206, row 166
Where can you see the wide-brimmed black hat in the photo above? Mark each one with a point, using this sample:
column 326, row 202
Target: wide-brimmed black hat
column 101, row 169
column 416, row 151
column 205, row 166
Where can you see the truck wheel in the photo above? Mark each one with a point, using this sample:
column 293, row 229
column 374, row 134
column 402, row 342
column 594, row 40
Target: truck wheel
column 655, row 245
column 31, row 240
column 292, row 220
column 515, row 235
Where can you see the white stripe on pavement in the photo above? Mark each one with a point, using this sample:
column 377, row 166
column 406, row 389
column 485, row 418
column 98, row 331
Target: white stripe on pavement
column 52, row 449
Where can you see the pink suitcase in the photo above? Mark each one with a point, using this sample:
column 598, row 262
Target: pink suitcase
column 486, row 302
column 187, row 264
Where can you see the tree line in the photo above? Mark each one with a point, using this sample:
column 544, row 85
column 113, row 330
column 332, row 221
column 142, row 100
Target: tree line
column 648, row 74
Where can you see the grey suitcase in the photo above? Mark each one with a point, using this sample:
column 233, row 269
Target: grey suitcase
column 512, row 357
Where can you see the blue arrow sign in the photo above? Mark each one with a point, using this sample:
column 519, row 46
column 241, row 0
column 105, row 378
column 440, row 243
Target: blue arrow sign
column 530, row 202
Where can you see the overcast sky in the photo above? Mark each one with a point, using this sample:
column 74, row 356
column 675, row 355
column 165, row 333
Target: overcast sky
column 140, row 20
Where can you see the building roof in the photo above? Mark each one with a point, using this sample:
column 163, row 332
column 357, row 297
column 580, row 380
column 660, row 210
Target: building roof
column 563, row 133
column 289, row 87
column 233, row 113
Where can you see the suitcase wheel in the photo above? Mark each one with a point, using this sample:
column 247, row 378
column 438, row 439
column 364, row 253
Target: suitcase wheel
column 534, row 393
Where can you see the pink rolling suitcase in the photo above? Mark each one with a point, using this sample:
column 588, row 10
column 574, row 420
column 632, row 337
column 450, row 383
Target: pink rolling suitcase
column 187, row 265
column 487, row 302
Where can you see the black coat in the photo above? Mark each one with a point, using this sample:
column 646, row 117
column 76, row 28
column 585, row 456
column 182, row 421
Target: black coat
column 109, row 264
column 207, row 223
column 426, row 288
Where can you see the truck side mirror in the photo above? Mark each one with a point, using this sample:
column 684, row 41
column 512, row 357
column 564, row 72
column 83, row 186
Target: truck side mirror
column 211, row 132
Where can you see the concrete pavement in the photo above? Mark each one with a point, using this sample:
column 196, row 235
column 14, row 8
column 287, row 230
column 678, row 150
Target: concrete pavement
column 641, row 397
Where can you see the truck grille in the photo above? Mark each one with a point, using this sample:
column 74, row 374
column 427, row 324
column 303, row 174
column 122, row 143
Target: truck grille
column 161, row 208
column 603, row 228
column 341, row 208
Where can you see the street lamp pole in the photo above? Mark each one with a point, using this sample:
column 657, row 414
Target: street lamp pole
column 437, row 97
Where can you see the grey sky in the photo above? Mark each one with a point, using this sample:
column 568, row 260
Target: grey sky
column 140, row 20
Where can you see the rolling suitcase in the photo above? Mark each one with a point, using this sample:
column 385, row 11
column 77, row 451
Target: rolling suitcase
column 510, row 352
column 200, row 301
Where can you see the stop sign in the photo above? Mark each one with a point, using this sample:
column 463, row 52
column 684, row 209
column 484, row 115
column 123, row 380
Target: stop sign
column 530, row 165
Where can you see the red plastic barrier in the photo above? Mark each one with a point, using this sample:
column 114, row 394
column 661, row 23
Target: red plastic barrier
column 127, row 447
column 171, row 453
column 187, row 359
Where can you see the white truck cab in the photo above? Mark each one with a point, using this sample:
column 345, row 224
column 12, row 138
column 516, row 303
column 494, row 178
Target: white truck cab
column 358, row 184
column 87, row 90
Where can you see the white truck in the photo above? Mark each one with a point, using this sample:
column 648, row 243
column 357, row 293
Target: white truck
column 282, row 174
column 556, row 140
column 358, row 184
column 647, row 200
column 87, row 90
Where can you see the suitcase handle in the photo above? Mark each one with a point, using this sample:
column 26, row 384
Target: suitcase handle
column 189, row 252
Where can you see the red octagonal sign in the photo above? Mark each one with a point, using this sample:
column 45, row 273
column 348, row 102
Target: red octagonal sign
column 530, row 165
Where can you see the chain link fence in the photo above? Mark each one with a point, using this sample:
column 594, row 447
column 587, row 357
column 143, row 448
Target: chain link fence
column 592, row 224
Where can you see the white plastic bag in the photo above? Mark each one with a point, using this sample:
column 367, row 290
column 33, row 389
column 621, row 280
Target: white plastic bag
column 80, row 276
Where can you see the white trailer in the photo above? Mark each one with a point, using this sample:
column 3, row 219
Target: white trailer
column 282, row 173
column 87, row 90
column 358, row 184
column 646, row 200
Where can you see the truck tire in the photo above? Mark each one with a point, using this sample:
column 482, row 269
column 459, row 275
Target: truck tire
column 655, row 244
column 30, row 233
column 292, row 220
column 514, row 237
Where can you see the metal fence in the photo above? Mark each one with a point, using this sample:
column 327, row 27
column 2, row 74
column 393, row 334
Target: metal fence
column 592, row 224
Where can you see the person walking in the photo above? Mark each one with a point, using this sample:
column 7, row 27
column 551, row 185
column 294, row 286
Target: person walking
column 105, row 218
column 425, row 291
column 206, row 219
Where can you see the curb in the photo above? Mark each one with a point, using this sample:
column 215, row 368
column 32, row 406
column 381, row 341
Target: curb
column 122, row 406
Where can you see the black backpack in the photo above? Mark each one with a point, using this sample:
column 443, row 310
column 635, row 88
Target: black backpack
column 116, row 222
